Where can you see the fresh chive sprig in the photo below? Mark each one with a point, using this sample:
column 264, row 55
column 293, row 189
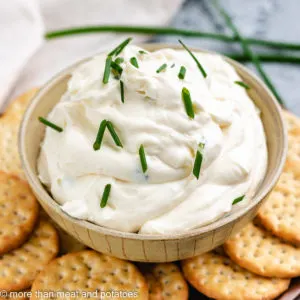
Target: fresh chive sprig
column 197, row 164
column 119, row 60
column 107, row 69
column 186, row 98
column 161, row 68
column 122, row 91
column 182, row 72
column 243, row 84
column 143, row 159
column 99, row 138
column 134, row 62
column 237, row 200
column 105, row 195
column 194, row 58
column 50, row 124
column 119, row 48
column 113, row 134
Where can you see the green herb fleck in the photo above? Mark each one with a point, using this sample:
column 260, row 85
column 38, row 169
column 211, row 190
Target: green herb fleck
column 105, row 195
column 122, row 90
column 50, row 124
column 186, row 97
column 142, row 52
column 161, row 68
column 182, row 72
column 243, row 84
column 197, row 164
column 117, row 69
column 113, row 134
column 119, row 60
column 100, row 135
column 194, row 58
column 201, row 146
column 237, row 200
column 134, row 62
column 119, row 48
column 107, row 69
column 143, row 159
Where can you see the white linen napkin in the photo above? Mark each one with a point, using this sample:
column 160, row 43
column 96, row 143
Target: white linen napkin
column 28, row 60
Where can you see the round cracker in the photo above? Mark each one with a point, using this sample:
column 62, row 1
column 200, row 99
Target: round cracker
column 9, row 129
column 19, row 268
column 18, row 212
column 281, row 212
column 218, row 277
column 263, row 253
column 165, row 281
column 88, row 271
column 293, row 157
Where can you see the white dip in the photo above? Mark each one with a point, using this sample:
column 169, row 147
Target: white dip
column 167, row 198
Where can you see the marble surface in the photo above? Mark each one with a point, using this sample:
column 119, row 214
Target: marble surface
column 266, row 19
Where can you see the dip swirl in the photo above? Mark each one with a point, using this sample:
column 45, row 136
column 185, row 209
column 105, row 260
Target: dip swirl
column 167, row 198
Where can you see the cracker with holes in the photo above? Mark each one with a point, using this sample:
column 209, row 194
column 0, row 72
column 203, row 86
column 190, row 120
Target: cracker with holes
column 9, row 128
column 90, row 273
column 261, row 252
column 19, row 268
column 293, row 157
column 218, row 277
column 165, row 281
column 18, row 212
column 281, row 212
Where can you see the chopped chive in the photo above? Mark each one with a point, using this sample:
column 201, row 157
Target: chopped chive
column 134, row 62
column 161, row 68
column 142, row 52
column 143, row 159
column 119, row 48
column 100, row 135
column 197, row 164
column 50, row 124
column 194, row 58
column 113, row 134
column 107, row 69
column 186, row 97
column 182, row 72
column 119, row 60
column 105, row 195
column 237, row 200
column 122, row 90
column 243, row 84
column 117, row 68
column 173, row 65
column 201, row 146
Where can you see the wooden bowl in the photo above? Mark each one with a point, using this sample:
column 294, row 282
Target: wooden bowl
column 141, row 247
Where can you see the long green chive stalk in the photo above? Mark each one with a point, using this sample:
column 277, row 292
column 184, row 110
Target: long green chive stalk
column 168, row 31
column 247, row 51
column 266, row 58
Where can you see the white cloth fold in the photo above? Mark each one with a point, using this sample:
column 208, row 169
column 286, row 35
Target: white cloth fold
column 28, row 60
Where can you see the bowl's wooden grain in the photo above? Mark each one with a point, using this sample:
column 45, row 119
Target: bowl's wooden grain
column 146, row 248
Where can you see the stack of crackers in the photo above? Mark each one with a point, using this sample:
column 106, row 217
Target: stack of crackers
column 40, row 261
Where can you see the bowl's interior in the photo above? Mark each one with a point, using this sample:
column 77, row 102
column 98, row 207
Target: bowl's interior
column 32, row 132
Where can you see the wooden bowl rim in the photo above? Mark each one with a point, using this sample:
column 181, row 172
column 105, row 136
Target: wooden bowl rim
column 44, row 196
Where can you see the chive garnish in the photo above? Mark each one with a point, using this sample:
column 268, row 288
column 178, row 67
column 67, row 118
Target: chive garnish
column 50, row 124
column 237, row 200
column 201, row 146
column 119, row 48
column 134, row 62
column 143, row 159
column 100, row 135
column 116, row 67
column 181, row 73
column 161, row 68
column 243, row 84
column 105, row 195
column 107, row 69
column 186, row 97
column 122, row 90
column 142, row 52
column 113, row 134
column 197, row 164
column 119, row 60
column 194, row 58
